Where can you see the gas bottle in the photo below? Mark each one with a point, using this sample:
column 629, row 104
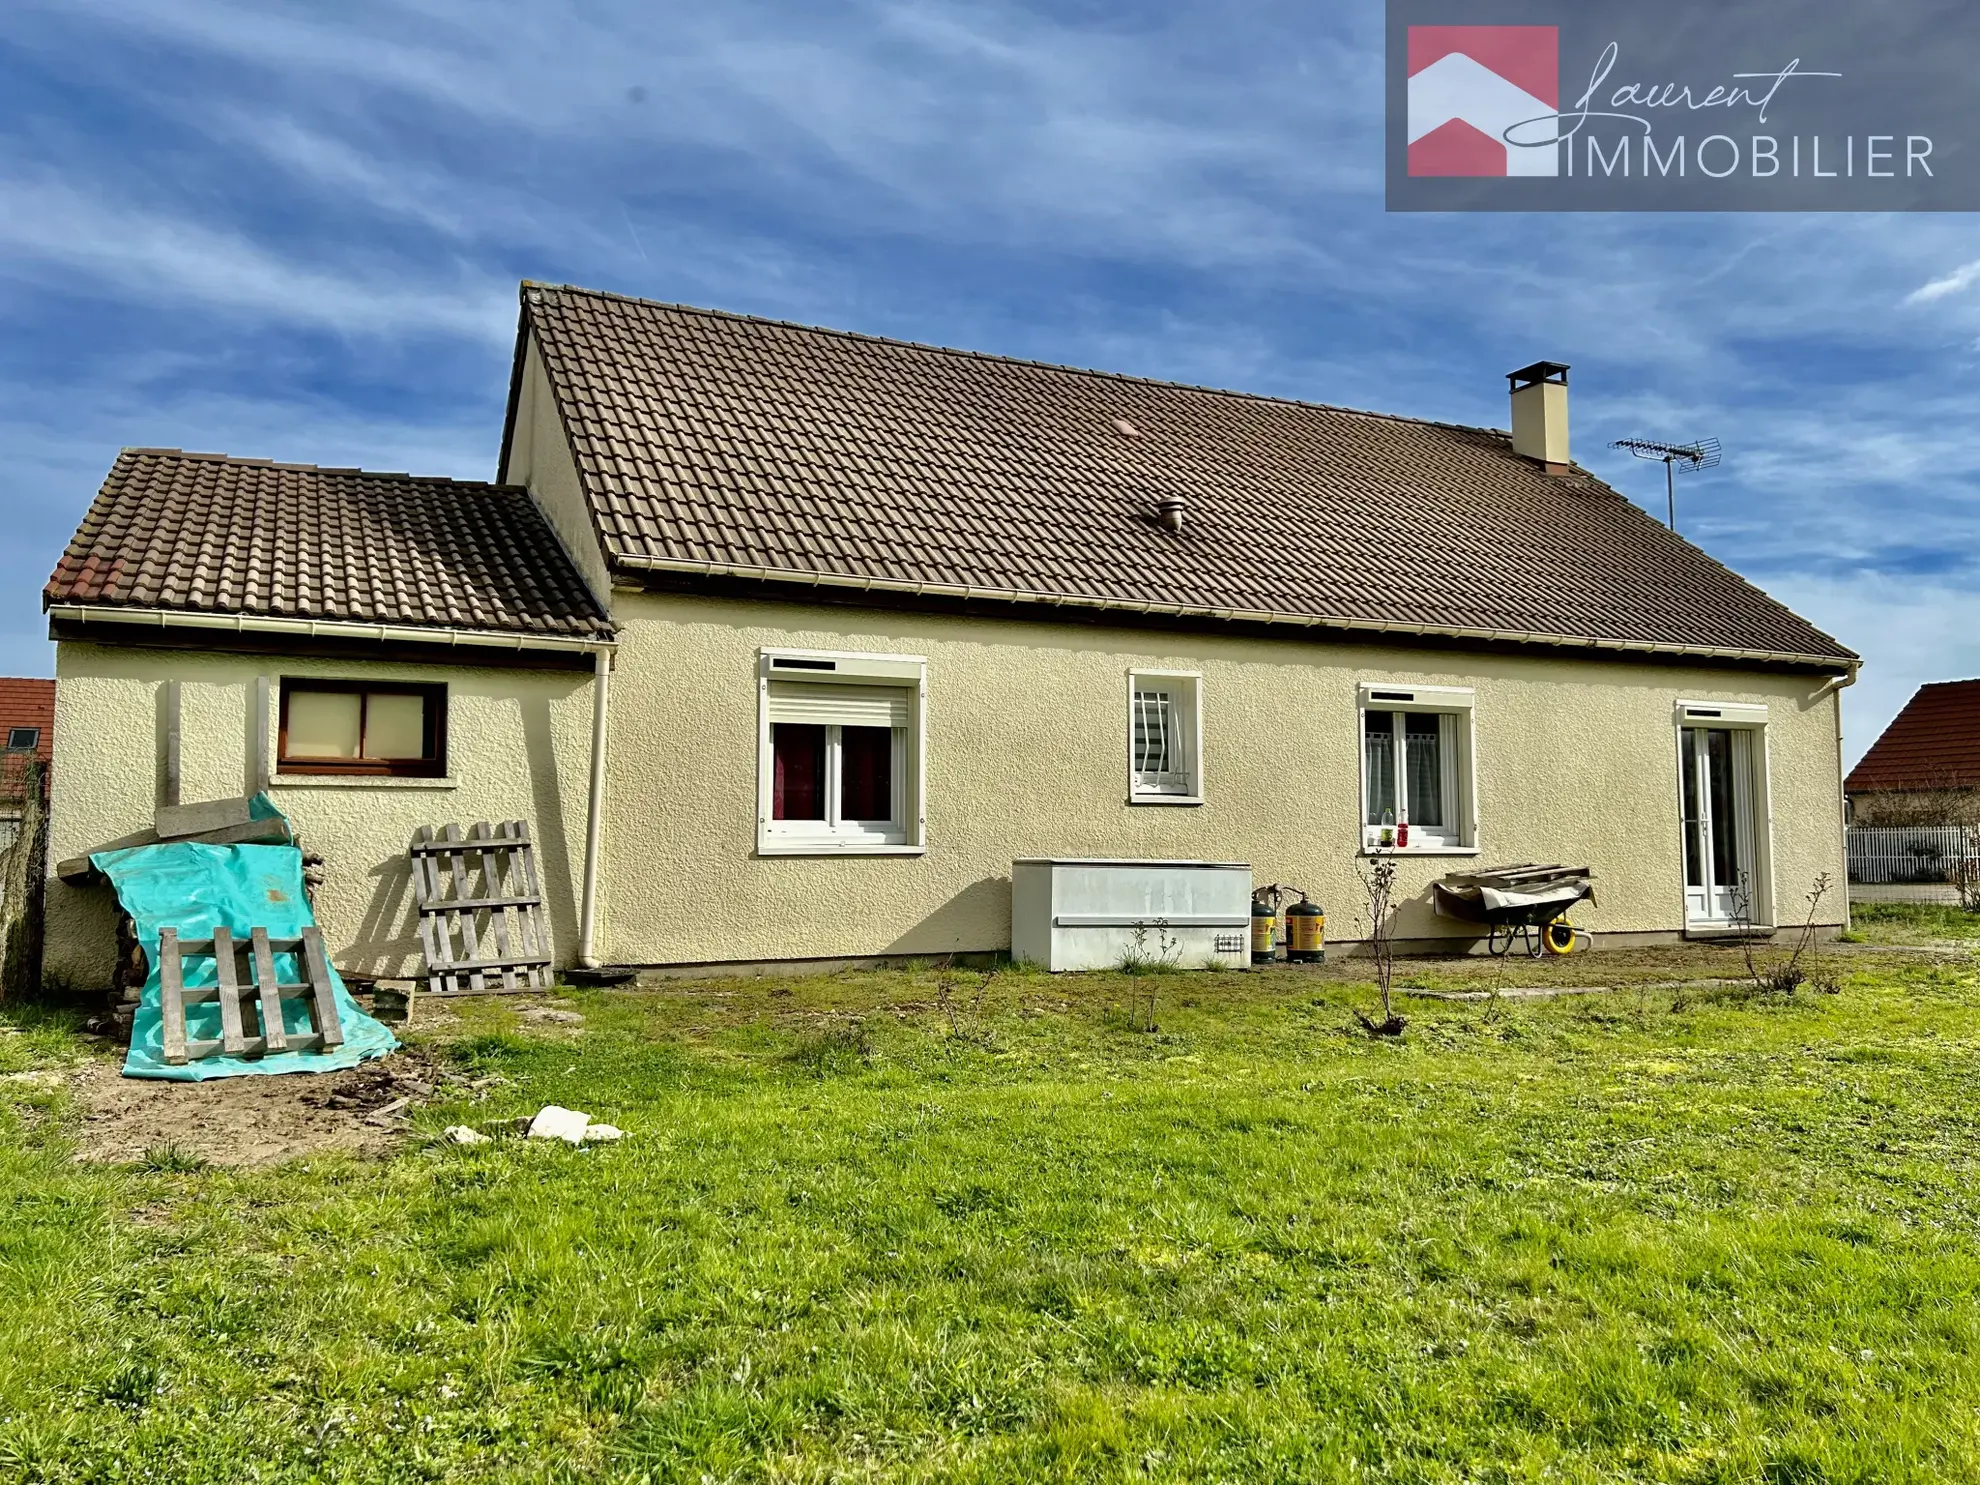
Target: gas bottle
column 1264, row 937
column 1306, row 932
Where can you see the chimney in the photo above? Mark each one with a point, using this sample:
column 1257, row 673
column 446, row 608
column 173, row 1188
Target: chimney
column 1169, row 510
column 1540, row 414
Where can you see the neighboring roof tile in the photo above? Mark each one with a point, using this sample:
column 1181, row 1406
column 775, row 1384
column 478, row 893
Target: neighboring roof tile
column 1934, row 743
column 712, row 438
column 29, row 703
column 210, row 534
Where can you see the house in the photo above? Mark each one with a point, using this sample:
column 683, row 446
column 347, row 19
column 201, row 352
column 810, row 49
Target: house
column 27, row 736
column 1925, row 767
column 789, row 641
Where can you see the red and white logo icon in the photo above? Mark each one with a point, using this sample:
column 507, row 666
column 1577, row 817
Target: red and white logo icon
column 1468, row 85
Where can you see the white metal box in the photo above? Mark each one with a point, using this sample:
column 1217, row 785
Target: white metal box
column 1095, row 914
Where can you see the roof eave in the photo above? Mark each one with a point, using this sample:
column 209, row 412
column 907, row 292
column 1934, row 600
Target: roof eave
column 345, row 629
column 1836, row 665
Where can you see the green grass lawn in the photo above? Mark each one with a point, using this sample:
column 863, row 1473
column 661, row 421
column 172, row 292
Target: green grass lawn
column 1913, row 922
column 851, row 1235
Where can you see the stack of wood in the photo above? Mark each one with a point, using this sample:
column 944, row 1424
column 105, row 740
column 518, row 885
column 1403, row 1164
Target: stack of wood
column 23, row 866
column 213, row 822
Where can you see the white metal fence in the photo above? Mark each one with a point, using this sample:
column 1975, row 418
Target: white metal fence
column 1883, row 854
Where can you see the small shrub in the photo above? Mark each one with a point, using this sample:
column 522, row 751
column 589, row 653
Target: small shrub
column 1784, row 977
column 1143, row 958
column 843, row 1046
column 961, row 1005
column 171, row 1159
column 1378, row 886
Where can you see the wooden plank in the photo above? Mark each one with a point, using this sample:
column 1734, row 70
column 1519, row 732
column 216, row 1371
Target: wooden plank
column 176, row 820
column 171, row 997
column 484, row 902
column 537, row 932
column 324, row 994
column 470, row 941
column 463, row 966
column 426, row 902
column 258, row 730
column 273, row 832
column 201, row 948
column 205, row 994
column 174, row 772
column 232, row 1041
column 496, row 990
column 272, row 1032
column 254, row 1046
column 498, row 918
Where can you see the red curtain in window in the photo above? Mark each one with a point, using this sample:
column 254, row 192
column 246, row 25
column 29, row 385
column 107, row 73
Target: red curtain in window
column 866, row 773
column 798, row 753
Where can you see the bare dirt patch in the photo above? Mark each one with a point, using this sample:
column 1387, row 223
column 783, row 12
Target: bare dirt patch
column 257, row 1120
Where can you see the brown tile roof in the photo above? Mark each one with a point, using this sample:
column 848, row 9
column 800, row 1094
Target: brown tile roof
column 717, row 441
column 201, row 532
column 1934, row 743
column 29, row 703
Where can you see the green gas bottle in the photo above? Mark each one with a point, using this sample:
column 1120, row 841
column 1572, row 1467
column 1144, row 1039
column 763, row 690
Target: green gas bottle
column 1264, row 932
column 1306, row 932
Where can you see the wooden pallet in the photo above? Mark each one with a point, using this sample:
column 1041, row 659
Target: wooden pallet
column 481, row 919
column 259, row 987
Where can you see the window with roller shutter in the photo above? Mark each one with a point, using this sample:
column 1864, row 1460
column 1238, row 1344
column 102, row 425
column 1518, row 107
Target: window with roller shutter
column 841, row 751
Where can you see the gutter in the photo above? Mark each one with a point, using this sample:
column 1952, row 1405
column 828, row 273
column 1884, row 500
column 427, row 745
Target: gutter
column 594, row 817
column 1830, row 663
column 329, row 629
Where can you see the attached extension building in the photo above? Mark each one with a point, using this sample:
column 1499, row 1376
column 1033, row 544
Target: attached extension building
column 787, row 642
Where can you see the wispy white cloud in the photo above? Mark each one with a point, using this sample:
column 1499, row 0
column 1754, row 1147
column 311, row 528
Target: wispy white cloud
column 1958, row 281
column 58, row 234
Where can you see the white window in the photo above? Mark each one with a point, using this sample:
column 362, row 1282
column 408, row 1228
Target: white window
column 839, row 753
column 1416, row 769
column 1165, row 738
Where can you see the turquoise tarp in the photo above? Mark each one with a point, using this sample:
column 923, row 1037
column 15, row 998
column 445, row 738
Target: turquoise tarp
column 195, row 889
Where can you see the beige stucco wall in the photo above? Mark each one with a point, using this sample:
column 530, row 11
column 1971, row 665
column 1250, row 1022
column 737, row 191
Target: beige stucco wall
column 1575, row 762
column 518, row 748
column 539, row 456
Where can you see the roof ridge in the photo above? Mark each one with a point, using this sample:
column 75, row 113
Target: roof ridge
column 245, row 461
column 997, row 356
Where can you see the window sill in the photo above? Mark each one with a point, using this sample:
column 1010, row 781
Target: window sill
column 1184, row 799
column 1419, row 851
column 357, row 781
column 835, row 848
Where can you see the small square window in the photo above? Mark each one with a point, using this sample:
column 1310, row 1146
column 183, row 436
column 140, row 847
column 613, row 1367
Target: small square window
column 23, row 739
column 1165, row 738
column 350, row 727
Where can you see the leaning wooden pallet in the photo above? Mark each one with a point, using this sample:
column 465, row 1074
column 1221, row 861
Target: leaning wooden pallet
column 481, row 923
column 261, row 988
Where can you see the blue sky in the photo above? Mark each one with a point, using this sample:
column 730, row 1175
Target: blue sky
column 295, row 232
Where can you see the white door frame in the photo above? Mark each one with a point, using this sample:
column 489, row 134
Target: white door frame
column 1710, row 903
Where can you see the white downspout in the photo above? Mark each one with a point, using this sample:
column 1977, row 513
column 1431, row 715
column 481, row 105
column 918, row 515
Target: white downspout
column 1834, row 690
column 594, row 822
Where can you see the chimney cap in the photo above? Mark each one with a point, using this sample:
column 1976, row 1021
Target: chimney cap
column 1539, row 371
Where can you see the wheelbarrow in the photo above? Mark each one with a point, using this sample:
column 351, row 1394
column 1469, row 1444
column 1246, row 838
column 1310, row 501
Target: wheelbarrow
column 1522, row 906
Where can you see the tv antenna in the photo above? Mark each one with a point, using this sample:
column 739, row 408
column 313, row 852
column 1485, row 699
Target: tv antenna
column 1690, row 457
